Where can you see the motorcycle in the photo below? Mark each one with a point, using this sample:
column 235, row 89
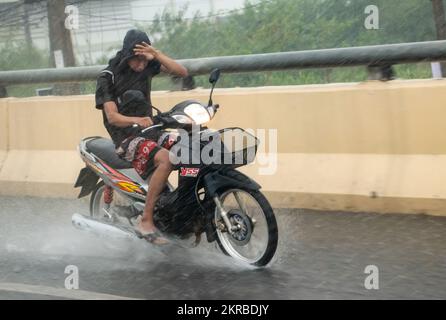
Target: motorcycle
column 211, row 198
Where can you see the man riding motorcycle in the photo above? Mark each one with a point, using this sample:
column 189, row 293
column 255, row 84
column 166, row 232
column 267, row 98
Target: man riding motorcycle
column 123, row 94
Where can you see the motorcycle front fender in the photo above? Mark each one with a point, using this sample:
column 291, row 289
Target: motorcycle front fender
column 223, row 179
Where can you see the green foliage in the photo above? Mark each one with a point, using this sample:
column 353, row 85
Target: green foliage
column 17, row 56
column 292, row 25
column 269, row 26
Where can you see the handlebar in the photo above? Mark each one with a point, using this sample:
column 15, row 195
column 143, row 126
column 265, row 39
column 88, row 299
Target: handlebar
column 145, row 130
column 164, row 120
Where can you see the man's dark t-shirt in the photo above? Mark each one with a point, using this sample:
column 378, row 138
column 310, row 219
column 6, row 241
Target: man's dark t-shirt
column 111, row 86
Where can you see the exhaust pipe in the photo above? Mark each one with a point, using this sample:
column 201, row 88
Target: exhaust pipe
column 103, row 228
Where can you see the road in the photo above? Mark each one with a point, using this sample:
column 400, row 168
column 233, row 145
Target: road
column 321, row 255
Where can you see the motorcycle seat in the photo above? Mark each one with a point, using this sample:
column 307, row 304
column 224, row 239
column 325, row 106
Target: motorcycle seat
column 105, row 150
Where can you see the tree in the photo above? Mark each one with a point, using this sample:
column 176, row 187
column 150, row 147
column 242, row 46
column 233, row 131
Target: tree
column 289, row 25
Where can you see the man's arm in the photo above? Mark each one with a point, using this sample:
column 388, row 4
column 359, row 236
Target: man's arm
column 118, row 120
column 168, row 65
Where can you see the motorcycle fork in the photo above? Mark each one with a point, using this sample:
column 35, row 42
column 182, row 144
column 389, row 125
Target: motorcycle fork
column 224, row 215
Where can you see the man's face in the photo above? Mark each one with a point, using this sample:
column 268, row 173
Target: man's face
column 138, row 64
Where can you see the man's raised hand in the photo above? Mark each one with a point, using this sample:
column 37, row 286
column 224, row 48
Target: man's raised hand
column 146, row 50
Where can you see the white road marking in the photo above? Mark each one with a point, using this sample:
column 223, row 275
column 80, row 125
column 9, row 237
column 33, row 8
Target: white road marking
column 59, row 292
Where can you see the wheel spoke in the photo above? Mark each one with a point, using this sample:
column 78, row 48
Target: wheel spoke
column 241, row 203
column 104, row 211
column 250, row 244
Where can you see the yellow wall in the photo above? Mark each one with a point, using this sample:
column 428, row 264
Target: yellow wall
column 402, row 117
column 385, row 118
column 370, row 146
column 52, row 123
column 3, row 131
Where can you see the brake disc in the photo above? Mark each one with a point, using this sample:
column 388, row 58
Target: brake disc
column 242, row 236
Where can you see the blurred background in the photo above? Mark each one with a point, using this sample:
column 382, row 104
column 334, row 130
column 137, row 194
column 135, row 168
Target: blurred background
column 29, row 29
column 345, row 151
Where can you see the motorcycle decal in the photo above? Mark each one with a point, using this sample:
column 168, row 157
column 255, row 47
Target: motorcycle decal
column 115, row 174
column 94, row 168
column 128, row 187
column 121, row 181
column 189, row 172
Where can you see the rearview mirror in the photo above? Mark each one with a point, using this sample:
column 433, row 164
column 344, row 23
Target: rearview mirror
column 215, row 75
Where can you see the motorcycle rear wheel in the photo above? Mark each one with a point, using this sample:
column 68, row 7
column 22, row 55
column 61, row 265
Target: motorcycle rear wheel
column 97, row 203
column 107, row 213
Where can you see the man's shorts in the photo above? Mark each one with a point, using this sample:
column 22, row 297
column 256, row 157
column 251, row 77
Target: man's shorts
column 141, row 152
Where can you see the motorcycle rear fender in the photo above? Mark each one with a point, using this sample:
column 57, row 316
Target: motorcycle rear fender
column 87, row 179
column 218, row 180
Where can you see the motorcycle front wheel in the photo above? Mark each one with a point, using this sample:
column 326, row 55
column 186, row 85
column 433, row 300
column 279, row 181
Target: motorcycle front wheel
column 254, row 238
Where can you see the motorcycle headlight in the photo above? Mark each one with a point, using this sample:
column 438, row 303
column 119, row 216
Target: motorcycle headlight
column 182, row 119
column 198, row 113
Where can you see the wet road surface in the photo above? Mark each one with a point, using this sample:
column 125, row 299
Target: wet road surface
column 321, row 255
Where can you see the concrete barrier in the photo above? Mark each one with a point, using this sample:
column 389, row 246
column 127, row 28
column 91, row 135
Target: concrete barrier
column 372, row 146
column 3, row 130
